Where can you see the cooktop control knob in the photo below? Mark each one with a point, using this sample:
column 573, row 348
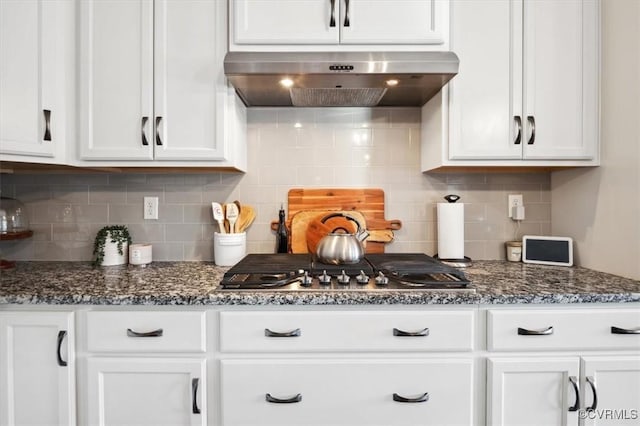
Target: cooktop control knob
column 362, row 278
column 324, row 278
column 381, row 279
column 306, row 280
column 343, row 278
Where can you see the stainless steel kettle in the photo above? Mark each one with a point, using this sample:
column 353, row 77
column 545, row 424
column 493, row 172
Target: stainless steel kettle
column 341, row 247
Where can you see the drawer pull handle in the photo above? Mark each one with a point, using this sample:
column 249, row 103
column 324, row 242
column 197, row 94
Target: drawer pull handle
column 332, row 21
column 158, row 140
column 194, row 395
column 292, row 333
column 519, row 124
column 274, row 400
column 47, row 124
column 154, row 333
column 544, row 332
column 61, row 336
column 422, row 398
column 143, row 134
column 618, row 330
column 592, row 384
column 576, row 389
column 401, row 333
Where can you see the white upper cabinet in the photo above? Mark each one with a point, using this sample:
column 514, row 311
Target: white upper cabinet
column 527, row 90
column 33, row 65
column 338, row 24
column 152, row 83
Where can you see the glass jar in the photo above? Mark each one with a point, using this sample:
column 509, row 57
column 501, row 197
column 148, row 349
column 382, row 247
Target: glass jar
column 13, row 216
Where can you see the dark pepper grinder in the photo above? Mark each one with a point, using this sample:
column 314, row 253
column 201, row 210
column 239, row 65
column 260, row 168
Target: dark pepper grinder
column 282, row 236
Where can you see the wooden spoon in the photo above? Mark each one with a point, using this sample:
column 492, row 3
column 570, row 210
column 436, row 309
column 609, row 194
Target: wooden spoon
column 246, row 218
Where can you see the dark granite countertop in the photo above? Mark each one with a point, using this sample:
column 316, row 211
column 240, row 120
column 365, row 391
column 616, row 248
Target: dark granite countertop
column 196, row 283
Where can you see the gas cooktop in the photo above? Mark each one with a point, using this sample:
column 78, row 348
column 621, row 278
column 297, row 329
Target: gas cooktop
column 383, row 271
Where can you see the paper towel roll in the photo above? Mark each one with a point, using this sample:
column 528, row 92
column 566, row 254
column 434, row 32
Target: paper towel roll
column 450, row 230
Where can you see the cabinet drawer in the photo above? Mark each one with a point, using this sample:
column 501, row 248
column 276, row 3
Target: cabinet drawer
column 146, row 331
column 347, row 392
column 346, row 331
column 562, row 329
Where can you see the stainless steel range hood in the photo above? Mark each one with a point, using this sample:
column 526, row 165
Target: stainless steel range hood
column 331, row 79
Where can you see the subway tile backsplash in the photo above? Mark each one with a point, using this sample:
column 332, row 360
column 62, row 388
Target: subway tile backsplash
column 287, row 147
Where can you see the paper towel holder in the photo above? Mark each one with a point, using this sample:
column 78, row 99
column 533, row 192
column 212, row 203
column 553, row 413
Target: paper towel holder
column 459, row 263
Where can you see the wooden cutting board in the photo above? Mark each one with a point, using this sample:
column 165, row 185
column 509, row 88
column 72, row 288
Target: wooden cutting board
column 368, row 201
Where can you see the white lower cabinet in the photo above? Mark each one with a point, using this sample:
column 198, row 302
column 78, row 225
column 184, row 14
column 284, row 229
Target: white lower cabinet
column 528, row 386
column 347, row 392
column 533, row 391
column 147, row 391
column 37, row 369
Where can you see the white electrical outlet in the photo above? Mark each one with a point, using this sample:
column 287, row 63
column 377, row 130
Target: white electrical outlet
column 150, row 207
column 515, row 200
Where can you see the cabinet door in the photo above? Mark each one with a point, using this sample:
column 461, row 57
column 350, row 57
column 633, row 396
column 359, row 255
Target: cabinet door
column 116, row 72
column 342, row 392
column 189, row 51
column 285, row 22
column 615, row 382
column 486, row 96
column 28, row 43
column 37, row 369
column 146, row 391
column 532, row 391
column 393, row 21
column 561, row 82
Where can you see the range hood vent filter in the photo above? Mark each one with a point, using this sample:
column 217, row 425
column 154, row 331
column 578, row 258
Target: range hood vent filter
column 336, row 97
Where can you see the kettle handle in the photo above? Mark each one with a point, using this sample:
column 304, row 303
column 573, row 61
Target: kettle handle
column 346, row 216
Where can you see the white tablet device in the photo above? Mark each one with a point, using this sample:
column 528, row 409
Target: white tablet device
column 547, row 250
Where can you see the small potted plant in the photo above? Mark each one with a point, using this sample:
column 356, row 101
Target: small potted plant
column 111, row 245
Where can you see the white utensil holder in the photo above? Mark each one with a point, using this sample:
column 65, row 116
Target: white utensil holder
column 229, row 249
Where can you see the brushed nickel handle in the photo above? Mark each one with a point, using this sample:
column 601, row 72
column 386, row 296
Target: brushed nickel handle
column 61, row 336
column 592, row 384
column 544, row 332
column 158, row 140
column 532, row 121
column 332, row 22
column 292, row 400
column 576, row 389
column 422, row 398
column 293, row 333
column 518, row 120
column 154, row 333
column 346, row 14
column 618, row 330
column 145, row 142
column 419, row 333
column 194, row 396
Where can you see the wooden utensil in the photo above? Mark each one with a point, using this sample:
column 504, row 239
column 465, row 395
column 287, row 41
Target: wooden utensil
column 246, row 218
column 231, row 211
column 218, row 216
